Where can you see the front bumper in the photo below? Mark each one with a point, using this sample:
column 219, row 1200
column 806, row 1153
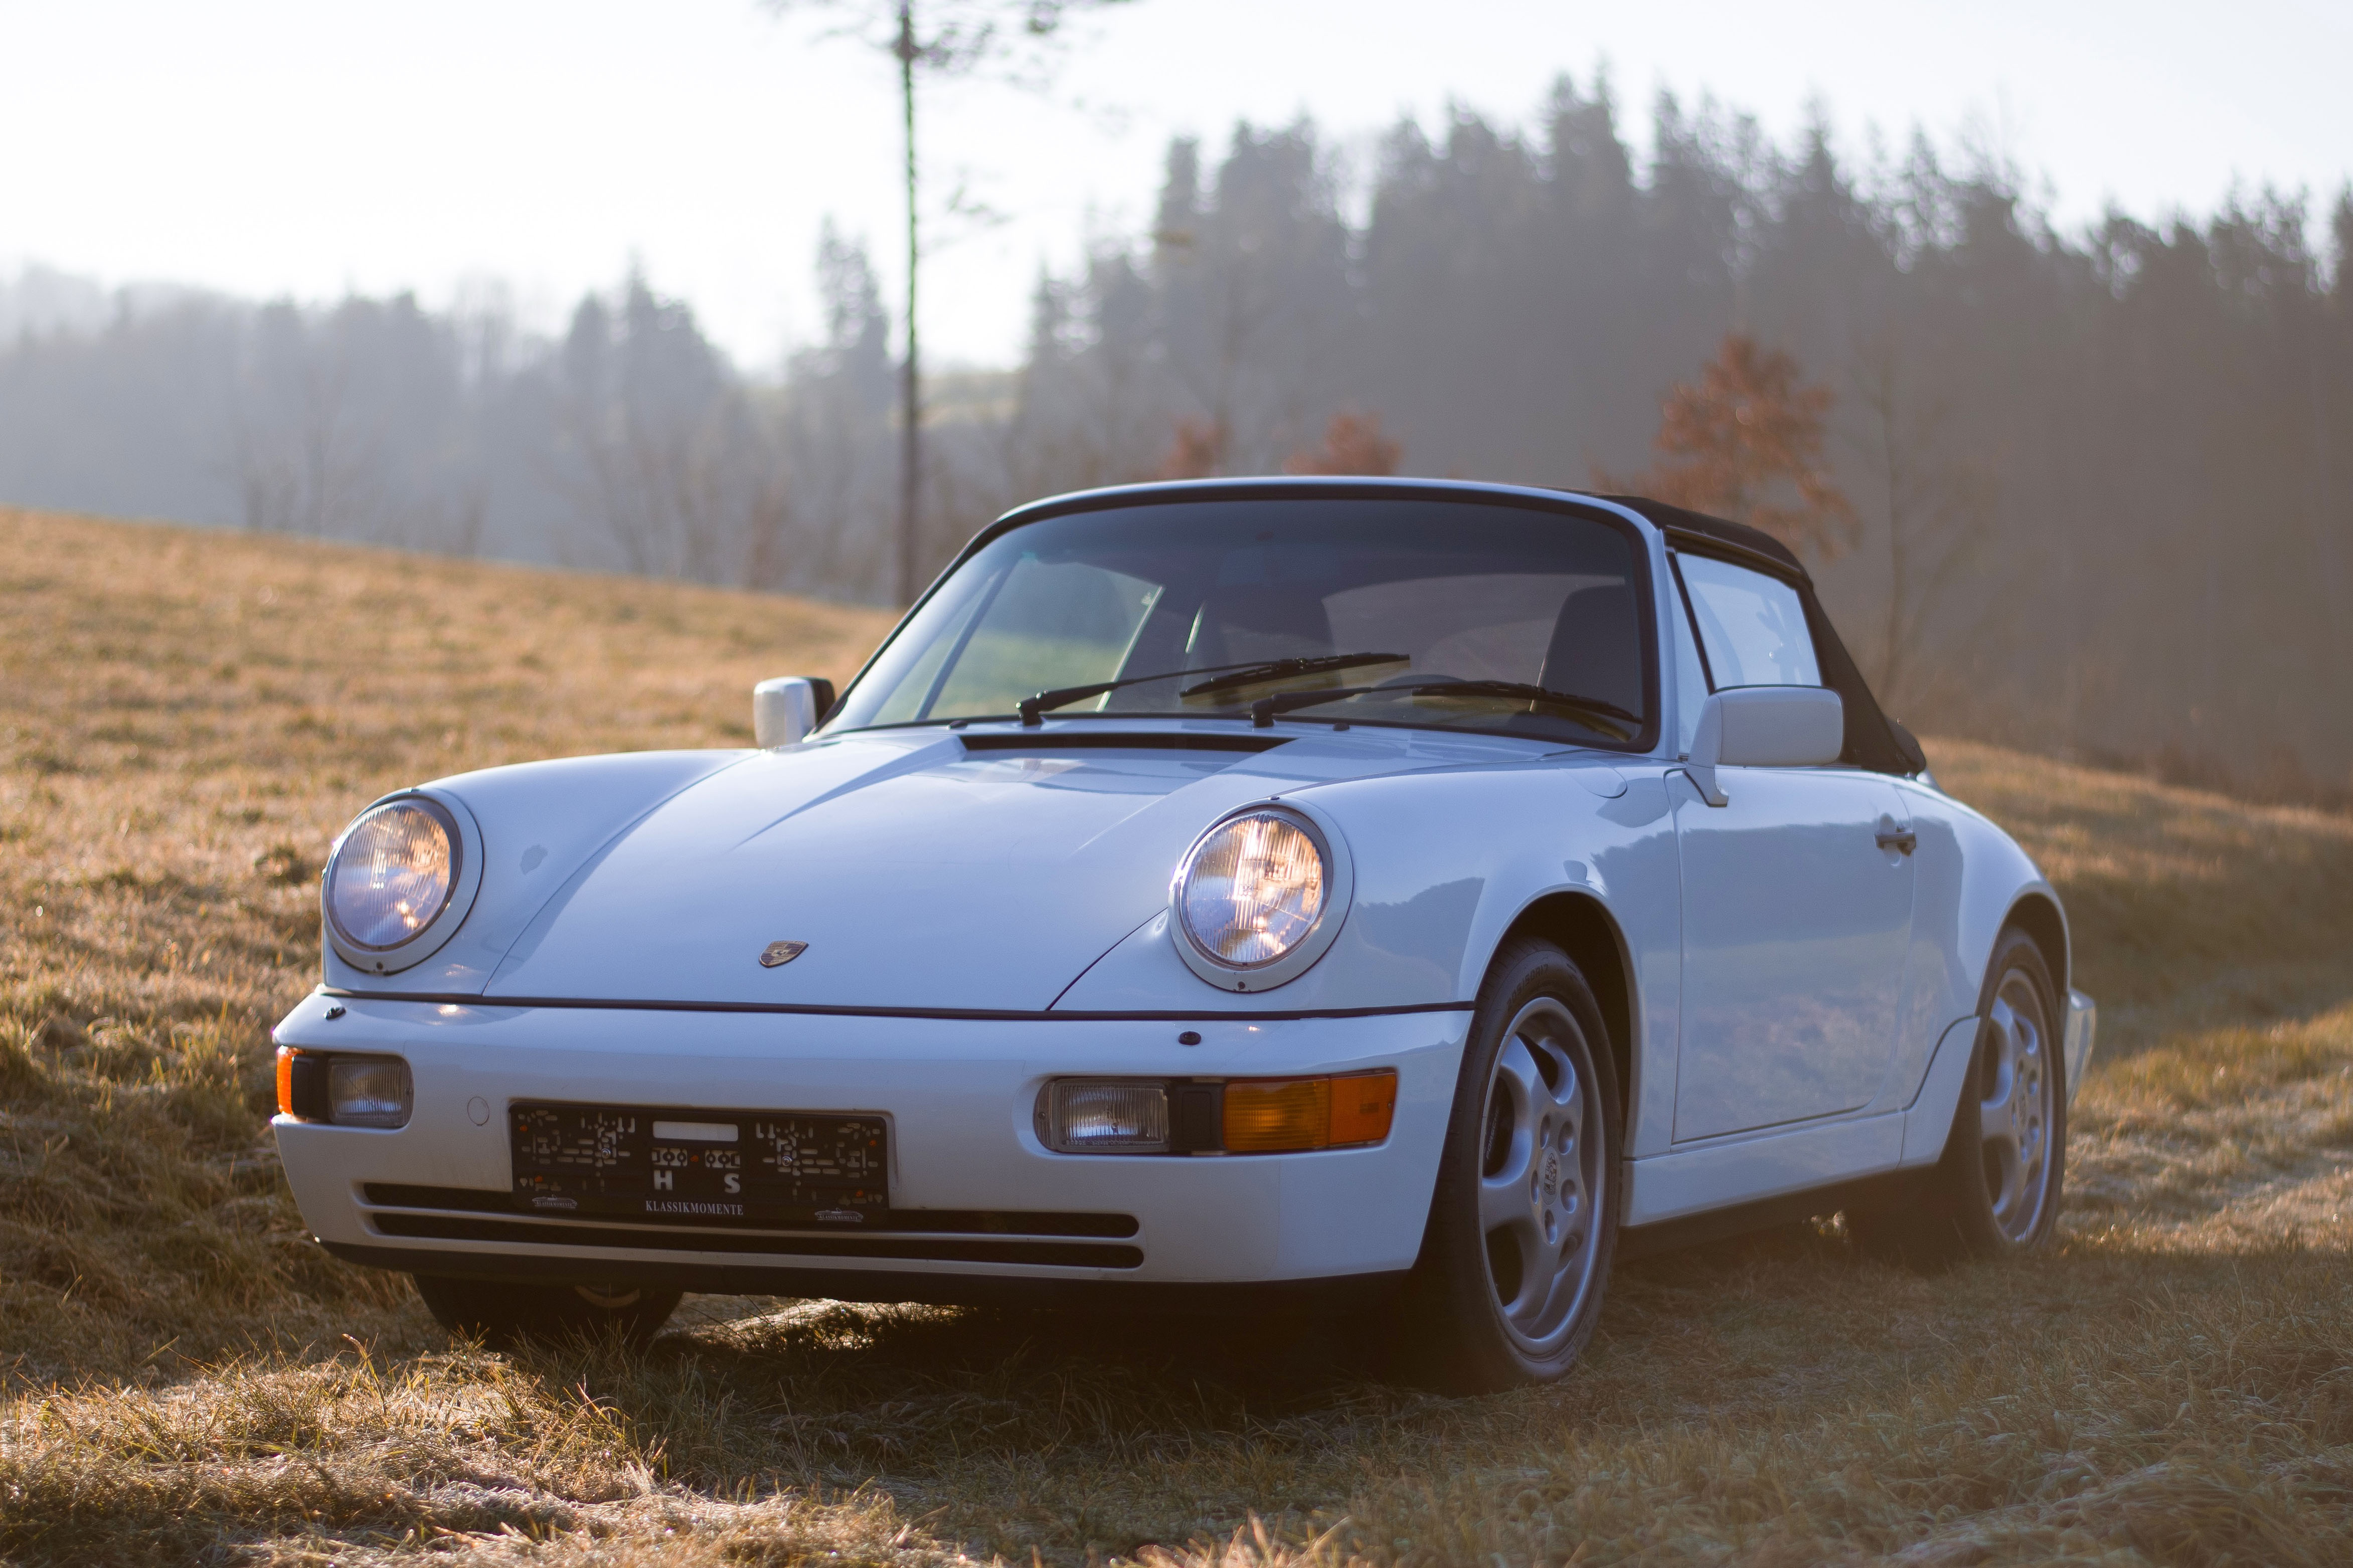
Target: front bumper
column 431, row 1196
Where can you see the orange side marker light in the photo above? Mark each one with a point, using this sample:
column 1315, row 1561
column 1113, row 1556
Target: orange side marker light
column 1363, row 1106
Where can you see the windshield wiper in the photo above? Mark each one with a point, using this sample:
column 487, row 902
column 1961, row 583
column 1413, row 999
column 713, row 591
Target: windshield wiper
column 1285, row 668
column 1523, row 691
column 1612, row 716
column 1243, row 675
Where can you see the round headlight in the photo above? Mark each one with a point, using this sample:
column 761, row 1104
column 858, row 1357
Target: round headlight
column 393, row 874
column 1253, row 890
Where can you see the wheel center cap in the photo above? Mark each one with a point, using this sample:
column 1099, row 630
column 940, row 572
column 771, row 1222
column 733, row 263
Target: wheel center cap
column 1551, row 1177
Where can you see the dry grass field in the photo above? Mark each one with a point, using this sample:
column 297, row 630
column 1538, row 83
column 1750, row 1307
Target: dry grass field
column 185, row 719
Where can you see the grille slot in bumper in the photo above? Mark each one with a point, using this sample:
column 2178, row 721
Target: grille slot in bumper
column 944, row 1235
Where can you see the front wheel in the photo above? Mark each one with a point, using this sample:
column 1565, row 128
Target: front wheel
column 1524, row 1222
column 500, row 1313
column 1996, row 1190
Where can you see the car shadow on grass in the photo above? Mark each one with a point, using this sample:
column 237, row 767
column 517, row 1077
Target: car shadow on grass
column 845, row 1394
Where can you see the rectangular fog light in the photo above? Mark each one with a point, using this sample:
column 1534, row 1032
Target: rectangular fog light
column 1107, row 1116
column 368, row 1092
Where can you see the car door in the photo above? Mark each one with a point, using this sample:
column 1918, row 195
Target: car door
column 1797, row 895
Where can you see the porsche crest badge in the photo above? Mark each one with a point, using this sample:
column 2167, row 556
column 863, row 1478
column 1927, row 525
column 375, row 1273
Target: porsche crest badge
column 777, row 952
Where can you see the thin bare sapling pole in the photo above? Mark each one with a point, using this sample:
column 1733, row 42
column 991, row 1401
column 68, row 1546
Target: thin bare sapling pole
column 911, row 386
column 1012, row 37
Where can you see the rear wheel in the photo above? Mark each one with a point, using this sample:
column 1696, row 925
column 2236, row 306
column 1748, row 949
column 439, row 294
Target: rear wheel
column 499, row 1312
column 1996, row 1190
column 1524, row 1222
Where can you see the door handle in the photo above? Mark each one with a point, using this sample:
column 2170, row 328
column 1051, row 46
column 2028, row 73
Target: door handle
column 1900, row 838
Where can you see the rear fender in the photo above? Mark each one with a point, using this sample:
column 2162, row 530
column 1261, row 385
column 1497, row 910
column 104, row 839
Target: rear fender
column 1929, row 1119
column 1973, row 882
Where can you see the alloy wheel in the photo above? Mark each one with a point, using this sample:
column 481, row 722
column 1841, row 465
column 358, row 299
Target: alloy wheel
column 1541, row 1176
column 2016, row 1100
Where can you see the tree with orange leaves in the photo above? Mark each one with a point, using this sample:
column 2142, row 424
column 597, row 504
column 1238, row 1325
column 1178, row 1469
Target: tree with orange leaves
column 1197, row 451
column 1745, row 442
column 1352, row 444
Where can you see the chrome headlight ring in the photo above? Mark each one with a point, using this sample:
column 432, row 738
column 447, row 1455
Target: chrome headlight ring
column 1338, row 887
column 462, row 840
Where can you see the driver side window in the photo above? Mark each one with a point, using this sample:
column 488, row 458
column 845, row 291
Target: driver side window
column 1752, row 627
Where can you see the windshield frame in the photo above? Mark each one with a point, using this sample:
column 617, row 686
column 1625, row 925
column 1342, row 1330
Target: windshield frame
column 1640, row 539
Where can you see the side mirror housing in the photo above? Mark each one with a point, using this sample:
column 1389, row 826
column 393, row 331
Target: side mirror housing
column 786, row 709
column 1766, row 727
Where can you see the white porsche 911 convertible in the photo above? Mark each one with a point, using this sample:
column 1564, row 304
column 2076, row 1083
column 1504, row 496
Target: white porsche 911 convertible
column 1401, row 896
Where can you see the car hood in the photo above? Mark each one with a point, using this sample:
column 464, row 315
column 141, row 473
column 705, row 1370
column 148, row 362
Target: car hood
column 922, row 869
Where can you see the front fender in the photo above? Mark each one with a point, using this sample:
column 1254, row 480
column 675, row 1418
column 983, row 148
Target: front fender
column 1447, row 862
column 540, row 822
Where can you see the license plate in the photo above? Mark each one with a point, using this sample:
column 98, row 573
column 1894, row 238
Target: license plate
column 700, row 1166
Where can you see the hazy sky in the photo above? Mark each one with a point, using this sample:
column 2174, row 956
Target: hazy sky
column 311, row 146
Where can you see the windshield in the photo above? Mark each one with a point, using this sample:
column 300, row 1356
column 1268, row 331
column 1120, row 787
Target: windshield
column 1357, row 611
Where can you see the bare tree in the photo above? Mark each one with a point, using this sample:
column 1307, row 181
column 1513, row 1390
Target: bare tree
column 1937, row 505
column 305, row 457
column 1088, row 403
column 666, row 449
column 1255, row 313
column 962, row 37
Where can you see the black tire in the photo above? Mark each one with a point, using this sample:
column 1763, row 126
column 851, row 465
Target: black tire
column 1996, row 1190
column 1527, row 1180
column 500, row 1314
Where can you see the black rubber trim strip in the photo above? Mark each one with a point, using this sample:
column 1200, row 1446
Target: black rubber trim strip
column 1118, row 740
column 1669, row 519
column 967, row 1015
column 1252, row 1299
column 1061, row 1254
column 307, row 1093
column 926, row 1222
column 1691, row 621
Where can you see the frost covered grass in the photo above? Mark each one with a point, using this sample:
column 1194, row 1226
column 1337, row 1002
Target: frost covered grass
column 186, row 718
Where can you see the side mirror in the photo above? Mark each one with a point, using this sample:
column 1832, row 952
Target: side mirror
column 786, row 709
column 1764, row 727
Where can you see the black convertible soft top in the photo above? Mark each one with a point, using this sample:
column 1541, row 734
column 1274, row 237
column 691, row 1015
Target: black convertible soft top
column 1723, row 530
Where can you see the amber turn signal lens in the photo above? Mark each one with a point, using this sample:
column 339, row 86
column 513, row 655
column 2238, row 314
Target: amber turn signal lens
column 285, row 1080
column 1282, row 1113
column 1362, row 1107
column 1268, row 1116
